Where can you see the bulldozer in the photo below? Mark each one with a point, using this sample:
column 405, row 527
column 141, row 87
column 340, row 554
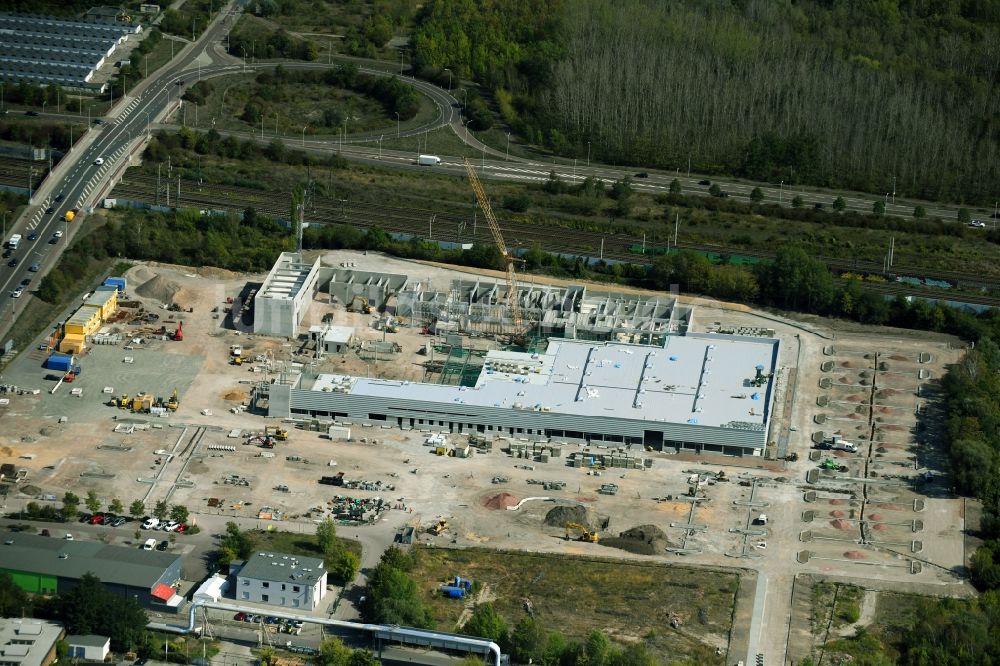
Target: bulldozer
column 440, row 526
column 276, row 433
column 120, row 402
column 585, row 534
column 173, row 403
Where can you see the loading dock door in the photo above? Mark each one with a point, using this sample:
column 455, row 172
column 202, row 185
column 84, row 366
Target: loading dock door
column 653, row 438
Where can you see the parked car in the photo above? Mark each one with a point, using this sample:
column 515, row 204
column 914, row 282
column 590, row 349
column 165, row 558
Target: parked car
column 46, row 533
column 17, row 293
column 32, row 236
column 12, row 262
column 706, row 183
column 169, row 526
column 240, row 617
column 85, row 517
column 162, row 546
column 59, row 197
column 97, row 519
column 119, row 521
column 50, row 210
column 57, row 234
column 34, row 268
column 270, row 620
column 25, row 281
column 68, row 537
column 181, row 528
column 150, row 523
column 99, row 161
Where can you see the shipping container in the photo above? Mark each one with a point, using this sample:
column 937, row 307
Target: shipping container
column 116, row 282
column 59, row 362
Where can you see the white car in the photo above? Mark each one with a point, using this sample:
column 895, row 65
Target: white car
column 69, row 537
column 169, row 527
column 17, row 293
column 57, row 234
column 99, row 161
column 150, row 523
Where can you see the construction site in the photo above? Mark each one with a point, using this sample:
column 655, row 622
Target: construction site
column 464, row 408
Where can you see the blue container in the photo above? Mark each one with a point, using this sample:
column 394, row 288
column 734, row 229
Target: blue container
column 467, row 584
column 116, row 282
column 59, row 362
column 452, row 592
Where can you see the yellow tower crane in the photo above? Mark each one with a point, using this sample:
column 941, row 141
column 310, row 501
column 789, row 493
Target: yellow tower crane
column 509, row 259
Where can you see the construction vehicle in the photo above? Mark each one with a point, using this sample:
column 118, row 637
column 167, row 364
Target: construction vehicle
column 173, row 403
column 441, row 451
column 276, row 432
column 142, row 403
column 360, row 304
column 438, row 527
column 509, row 259
column 585, row 534
column 178, row 335
column 237, row 360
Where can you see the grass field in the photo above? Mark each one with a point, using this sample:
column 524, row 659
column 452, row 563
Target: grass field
column 627, row 600
column 895, row 616
column 295, row 543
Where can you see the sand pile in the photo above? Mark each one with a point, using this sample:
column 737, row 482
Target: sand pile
column 880, row 527
column 235, row 394
column 159, row 288
column 500, row 501
column 875, row 516
column 141, row 274
column 837, row 514
column 837, row 502
column 841, row 524
column 641, row 540
column 854, row 555
column 560, row 515
column 889, row 506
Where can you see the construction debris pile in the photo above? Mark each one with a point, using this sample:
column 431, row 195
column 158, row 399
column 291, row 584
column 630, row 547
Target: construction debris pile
column 357, row 509
column 548, row 485
column 641, row 540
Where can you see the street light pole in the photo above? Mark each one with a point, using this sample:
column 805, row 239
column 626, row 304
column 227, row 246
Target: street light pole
column 380, row 146
column 781, row 188
column 449, row 78
column 397, row 124
column 507, row 156
column 588, row 153
column 304, row 135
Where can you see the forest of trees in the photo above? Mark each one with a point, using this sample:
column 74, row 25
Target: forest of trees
column 878, row 96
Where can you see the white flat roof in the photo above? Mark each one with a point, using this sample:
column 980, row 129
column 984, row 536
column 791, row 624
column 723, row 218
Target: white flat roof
column 697, row 379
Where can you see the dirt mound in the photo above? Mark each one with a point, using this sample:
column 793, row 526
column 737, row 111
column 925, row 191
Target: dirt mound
column 889, row 506
column 217, row 273
column 841, row 524
column 141, row 274
column 880, row 527
column 875, row 516
column 898, row 357
column 855, row 555
column 837, row 514
column 560, row 515
column 159, row 288
column 6, row 451
column 30, row 491
column 838, row 502
column 641, row 540
column 235, row 394
column 500, row 501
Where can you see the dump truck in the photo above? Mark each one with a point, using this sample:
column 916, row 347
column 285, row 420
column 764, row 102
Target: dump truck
column 585, row 534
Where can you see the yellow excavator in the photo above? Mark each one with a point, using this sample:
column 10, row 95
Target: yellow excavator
column 173, row 403
column 439, row 527
column 276, row 432
column 585, row 534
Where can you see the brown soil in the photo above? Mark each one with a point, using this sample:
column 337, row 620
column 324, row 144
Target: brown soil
column 897, row 357
column 236, row 395
column 500, row 501
column 837, row 514
column 838, row 502
column 880, row 527
column 893, row 427
column 875, row 516
column 855, row 555
column 641, row 540
column 558, row 516
column 841, row 524
column 889, row 506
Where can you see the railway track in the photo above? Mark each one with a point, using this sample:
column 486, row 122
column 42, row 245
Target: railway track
column 454, row 226
column 15, row 171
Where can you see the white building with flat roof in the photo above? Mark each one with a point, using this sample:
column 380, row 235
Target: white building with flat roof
column 279, row 579
column 28, row 642
column 283, row 299
column 707, row 392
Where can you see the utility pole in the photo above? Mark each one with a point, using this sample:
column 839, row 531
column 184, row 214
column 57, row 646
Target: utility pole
column 158, row 184
column 643, row 242
column 178, row 189
column 677, row 221
column 602, row 248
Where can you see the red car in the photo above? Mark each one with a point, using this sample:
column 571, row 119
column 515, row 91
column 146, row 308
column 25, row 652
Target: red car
column 181, row 527
column 97, row 519
column 240, row 617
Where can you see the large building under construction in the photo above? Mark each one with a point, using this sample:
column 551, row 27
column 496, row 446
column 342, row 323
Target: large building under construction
column 705, row 392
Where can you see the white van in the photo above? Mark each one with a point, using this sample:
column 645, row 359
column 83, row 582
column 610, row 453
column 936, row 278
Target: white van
column 428, row 160
column 149, row 545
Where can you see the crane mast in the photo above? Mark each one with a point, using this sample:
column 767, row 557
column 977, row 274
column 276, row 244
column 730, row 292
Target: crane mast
column 509, row 259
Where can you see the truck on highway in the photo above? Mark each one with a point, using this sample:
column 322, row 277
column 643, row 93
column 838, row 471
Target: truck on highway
column 428, row 160
column 14, row 241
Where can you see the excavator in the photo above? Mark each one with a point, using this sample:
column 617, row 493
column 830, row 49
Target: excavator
column 174, row 402
column 439, row 526
column 585, row 534
column 276, row 433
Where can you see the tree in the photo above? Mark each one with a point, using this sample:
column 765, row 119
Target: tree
column 179, row 513
column 715, row 190
column 756, row 195
column 675, row 186
column 798, row 201
column 326, row 537
column 364, row 658
column 71, row 506
column 161, row 509
column 527, row 639
column 919, row 212
column 136, row 508
column 92, row 502
column 878, row 208
column 268, row 655
column 964, row 216
column 333, row 652
column 839, row 204
column 14, row 601
column 486, row 622
column 116, row 507
column 345, row 567
column 598, row 648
